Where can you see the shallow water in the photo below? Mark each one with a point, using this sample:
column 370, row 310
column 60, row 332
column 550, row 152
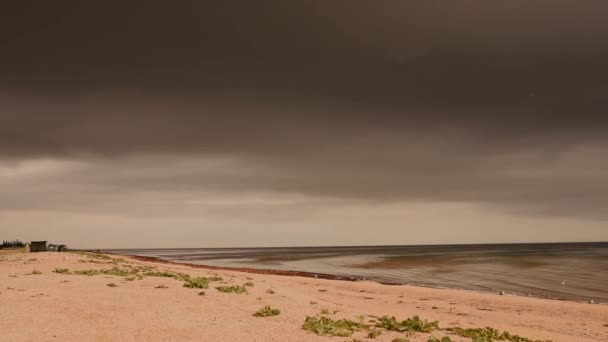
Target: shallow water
column 574, row 271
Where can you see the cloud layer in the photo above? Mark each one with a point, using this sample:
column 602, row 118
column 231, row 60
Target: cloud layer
column 222, row 110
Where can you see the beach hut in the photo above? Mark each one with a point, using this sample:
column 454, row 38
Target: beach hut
column 38, row 246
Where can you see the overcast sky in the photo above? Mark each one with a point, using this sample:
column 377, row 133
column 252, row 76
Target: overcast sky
column 267, row 123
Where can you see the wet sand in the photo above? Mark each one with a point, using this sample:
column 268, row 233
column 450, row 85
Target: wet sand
column 50, row 306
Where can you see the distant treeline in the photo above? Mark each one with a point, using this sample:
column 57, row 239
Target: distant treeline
column 12, row 244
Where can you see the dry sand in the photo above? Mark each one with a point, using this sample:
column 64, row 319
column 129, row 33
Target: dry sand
column 54, row 307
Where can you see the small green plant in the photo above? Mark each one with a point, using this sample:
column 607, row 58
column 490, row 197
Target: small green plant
column 232, row 289
column 488, row 334
column 374, row 333
column 267, row 311
column 112, row 285
column 326, row 326
column 199, row 282
column 62, row 271
column 161, row 287
column 249, row 284
column 410, row 324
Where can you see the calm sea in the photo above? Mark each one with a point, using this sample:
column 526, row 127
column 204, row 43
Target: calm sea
column 571, row 271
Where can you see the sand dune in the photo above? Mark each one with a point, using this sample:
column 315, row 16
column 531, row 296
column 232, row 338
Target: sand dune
column 48, row 306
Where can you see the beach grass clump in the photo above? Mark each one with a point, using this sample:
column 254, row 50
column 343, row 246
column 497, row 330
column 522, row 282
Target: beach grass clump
column 249, row 284
column 199, row 282
column 139, row 269
column 443, row 339
column 326, row 326
column 86, row 261
column 374, row 333
column 111, row 285
column 62, row 271
column 91, row 255
column 489, row 334
column 183, row 276
column 400, row 339
column 266, row 312
column 35, row 271
column 114, row 271
column 232, row 289
column 270, row 291
column 411, row 324
column 88, row 254
column 114, row 261
column 89, row 273
column 161, row 287
column 163, row 274
column 98, row 258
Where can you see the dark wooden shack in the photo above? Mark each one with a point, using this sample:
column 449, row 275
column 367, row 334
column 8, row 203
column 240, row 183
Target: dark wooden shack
column 38, row 246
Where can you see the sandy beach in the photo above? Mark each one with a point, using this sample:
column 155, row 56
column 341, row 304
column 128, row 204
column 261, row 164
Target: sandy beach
column 67, row 297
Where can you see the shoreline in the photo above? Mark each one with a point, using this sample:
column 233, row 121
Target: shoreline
column 251, row 270
column 268, row 271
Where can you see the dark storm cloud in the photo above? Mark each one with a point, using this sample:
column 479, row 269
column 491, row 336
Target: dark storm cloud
column 483, row 101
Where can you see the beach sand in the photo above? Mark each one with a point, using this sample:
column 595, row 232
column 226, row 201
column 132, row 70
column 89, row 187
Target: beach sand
column 68, row 307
